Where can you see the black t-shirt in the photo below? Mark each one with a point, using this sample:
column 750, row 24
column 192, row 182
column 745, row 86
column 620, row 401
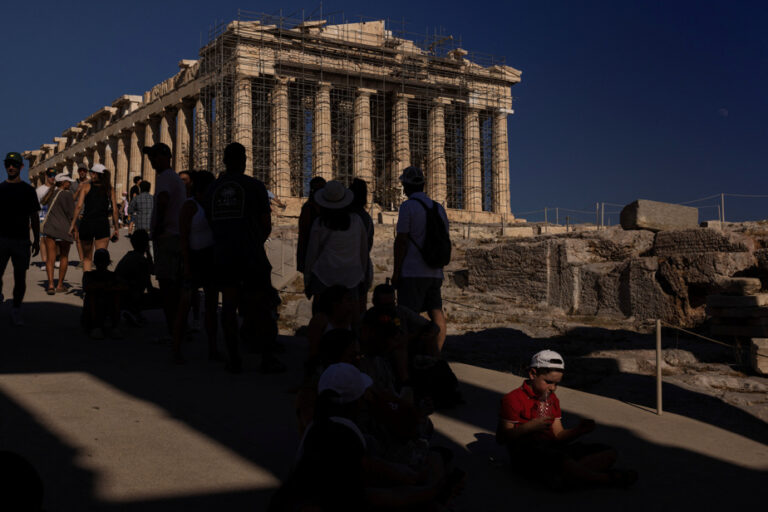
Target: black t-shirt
column 234, row 204
column 133, row 192
column 17, row 202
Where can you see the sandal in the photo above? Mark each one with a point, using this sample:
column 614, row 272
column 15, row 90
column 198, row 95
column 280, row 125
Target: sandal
column 50, row 291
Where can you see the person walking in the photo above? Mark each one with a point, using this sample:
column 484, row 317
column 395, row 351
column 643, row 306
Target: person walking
column 420, row 251
column 97, row 201
column 140, row 208
column 44, row 194
column 337, row 253
column 197, row 254
column 237, row 208
column 19, row 209
column 55, row 227
column 170, row 194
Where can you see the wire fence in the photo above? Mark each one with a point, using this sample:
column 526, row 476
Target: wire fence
column 605, row 214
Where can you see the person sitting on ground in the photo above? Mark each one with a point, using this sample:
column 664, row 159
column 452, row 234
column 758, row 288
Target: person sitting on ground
column 334, row 471
column 101, row 298
column 134, row 273
column 530, row 425
column 420, row 332
column 336, row 309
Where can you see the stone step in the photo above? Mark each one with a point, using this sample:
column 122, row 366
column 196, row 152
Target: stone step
column 759, row 355
column 747, row 312
column 745, row 331
column 735, row 301
column 739, row 285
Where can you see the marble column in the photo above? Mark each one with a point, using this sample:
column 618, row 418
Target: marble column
column 89, row 157
column 164, row 136
column 121, row 166
column 437, row 188
column 147, row 172
column 183, row 150
column 280, row 178
column 473, row 172
column 402, row 146
column 363, row 148
column 86, row 160
column 244, row 119
column 134, row 152
column 500, row 164
column 322, row 158
column 109, row 158
column 202, row 135
column 97, row 150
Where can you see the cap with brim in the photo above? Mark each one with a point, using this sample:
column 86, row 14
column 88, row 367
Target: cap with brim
column 334, row 196
column 346, row 381
column 548, row 359
column 412, row 176
column 98, row 169
column 157, row 149
column 63, row 177
column 51, row 171
column 14, row 157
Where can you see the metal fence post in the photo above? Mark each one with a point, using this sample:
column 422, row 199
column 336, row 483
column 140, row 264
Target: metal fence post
column 658, row 368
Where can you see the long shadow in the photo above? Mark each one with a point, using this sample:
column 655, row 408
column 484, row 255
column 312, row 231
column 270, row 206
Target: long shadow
column 671, row 478
column 509, row 350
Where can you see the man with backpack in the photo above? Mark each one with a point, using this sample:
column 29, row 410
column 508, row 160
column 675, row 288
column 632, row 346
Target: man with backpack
column 422, row 249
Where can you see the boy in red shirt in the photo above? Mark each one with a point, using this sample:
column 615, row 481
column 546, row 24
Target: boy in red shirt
column 531, row 428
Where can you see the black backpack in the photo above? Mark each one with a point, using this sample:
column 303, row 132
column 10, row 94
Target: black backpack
column 436, row 251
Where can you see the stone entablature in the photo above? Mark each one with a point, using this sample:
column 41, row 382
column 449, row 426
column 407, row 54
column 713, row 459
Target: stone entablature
column 308, row 67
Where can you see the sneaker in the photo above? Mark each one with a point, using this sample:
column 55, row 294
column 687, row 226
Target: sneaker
column 17, row 318
column 97, row 333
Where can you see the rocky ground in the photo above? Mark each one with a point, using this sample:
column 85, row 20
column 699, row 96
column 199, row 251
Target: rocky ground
column 608, row 354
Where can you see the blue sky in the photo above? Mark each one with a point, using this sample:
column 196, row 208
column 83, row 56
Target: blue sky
column 620, row 100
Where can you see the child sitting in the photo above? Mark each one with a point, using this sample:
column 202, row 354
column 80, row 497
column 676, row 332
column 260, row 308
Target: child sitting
column 134, row 272
column 102, row 298
column 531, row 428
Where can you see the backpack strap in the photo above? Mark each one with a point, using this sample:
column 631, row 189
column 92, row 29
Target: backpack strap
column 426, row 211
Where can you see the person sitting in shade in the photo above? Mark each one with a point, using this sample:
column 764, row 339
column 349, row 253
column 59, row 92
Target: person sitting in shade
column 101, row 298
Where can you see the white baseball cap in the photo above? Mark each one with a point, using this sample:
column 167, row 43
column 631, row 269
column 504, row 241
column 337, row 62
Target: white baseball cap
column 63, row 177
column 98, row 169
column 547, row 359
column 346, row 381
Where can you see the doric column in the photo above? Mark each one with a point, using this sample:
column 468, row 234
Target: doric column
column 201, row 136
column 363, row 144
column 121, row 166
column 280, row 177
column 86, row 160
column 147, row 172
column 436, row 179
column 473, row 172
column 109, row 157
column 97, row 154
column 89, row 156
column 244, row 119
column 182, row 152
column 322, row 159
column 166, row 120
column 500, row 162
column 402, row 144
column 134, row 154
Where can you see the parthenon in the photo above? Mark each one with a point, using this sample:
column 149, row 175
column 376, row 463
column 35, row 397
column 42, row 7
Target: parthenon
column 309, row 98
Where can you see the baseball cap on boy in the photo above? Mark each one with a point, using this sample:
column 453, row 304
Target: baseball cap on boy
column 547, row 359
column 14, row 157
column 346, row 381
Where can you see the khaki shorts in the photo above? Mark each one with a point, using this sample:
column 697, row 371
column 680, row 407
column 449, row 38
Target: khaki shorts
column 167, row 251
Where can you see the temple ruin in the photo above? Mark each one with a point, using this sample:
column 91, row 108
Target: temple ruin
column 310, row 98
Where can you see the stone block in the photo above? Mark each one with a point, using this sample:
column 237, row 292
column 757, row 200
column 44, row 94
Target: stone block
column 656, row 216
column 738, row 285
column 758, row 355
column 517, row 232
column 698, row 241
column 735, row 301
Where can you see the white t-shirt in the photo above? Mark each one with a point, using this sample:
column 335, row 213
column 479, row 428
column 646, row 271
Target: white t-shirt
column 412, row 220
column 337, row 257
column 41, row 191
column 170, row 182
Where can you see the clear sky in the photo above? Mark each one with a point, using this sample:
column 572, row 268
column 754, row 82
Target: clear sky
column 619, row 100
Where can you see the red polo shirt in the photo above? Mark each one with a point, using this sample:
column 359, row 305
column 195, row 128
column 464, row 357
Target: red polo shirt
column 522, row 405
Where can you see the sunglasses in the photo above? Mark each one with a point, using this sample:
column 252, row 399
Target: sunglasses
column 12, row 163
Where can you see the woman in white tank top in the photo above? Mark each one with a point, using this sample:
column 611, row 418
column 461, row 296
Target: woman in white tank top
column 197, row 259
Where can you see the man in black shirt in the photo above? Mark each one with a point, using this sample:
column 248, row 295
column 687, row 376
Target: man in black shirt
column 237, row 208
column 19, row 209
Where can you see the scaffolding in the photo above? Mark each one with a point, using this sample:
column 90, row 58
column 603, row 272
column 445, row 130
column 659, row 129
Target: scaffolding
column 307, row 97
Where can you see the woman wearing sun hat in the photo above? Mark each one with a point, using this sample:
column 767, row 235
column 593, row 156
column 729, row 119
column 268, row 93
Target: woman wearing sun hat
column 337, row 253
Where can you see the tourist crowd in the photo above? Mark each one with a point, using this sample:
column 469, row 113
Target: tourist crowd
column 372, row 376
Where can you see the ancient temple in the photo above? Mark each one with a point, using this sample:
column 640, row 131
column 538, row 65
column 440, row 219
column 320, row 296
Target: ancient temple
column 308, row 98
